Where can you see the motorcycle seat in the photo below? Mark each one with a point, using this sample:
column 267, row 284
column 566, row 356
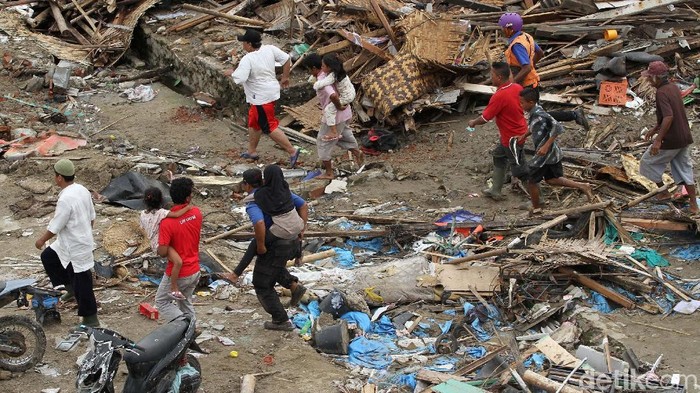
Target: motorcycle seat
column 159, row 342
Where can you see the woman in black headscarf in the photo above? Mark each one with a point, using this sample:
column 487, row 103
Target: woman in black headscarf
column 275, row 200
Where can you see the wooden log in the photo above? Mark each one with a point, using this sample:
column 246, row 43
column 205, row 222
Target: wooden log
column 205, row 18
column 594, row 285
column 646, row 196
column 577, row 210
column 228, row 233
column 546, row 384
column 218, row 14
column 248, row 383
column 58, row 18
column 298, row 135
column 314, row 257
column 555, row 221
column 218, row 261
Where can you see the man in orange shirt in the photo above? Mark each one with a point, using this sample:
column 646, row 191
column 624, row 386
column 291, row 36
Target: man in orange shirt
column 522, row 55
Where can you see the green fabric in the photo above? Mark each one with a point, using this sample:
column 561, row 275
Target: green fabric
column 611, row 235
column 652, row 257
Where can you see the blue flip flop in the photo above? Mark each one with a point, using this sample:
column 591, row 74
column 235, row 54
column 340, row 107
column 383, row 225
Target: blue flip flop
column 293, row 159
column 249, row 156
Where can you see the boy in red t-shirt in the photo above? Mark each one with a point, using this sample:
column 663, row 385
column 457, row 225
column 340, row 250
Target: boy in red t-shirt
column 504, row 106
column 182, row 234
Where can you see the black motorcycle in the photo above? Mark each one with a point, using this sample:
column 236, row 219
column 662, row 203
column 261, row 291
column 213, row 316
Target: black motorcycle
column 22, row 340
column 160, row 362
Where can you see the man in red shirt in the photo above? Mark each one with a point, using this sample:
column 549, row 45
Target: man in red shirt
column 182, row 234
column 504, row 106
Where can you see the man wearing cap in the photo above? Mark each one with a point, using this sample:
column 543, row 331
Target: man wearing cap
column 522, row 55
column 256, row 72
column 272, row 256
column 69, row 258
column 673, row 138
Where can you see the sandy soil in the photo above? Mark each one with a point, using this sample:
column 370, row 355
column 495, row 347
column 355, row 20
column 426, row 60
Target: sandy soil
column 434, row 175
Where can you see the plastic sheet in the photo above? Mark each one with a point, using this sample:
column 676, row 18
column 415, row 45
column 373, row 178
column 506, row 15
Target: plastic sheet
column 127, row 190
column 536, row 361
column 384, row 326
column 652, row 257
column 359, row 318
column 476, row 352
column 368, row 353
column 689, row 253
column 599, row 303
column 183, row 372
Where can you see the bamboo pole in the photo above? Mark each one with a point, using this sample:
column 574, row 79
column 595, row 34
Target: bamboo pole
column 234, row 18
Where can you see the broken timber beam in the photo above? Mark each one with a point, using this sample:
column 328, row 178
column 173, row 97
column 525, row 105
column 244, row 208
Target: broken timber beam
column 234, row 18
column 360, row 41
column 546, row 384
column 548, row 97
column 594, row 285
column 629, row 10
column 646, row 196
column 316, row 234
column 385, row 22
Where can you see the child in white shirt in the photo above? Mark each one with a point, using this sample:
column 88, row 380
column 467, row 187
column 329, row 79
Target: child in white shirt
column 150, row 222
column 335, row 75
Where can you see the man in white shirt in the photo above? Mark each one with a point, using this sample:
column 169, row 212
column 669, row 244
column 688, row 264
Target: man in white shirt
column 256, row 72
column 68, row 260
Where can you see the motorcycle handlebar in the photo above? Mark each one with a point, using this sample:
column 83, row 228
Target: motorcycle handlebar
column 115, row 337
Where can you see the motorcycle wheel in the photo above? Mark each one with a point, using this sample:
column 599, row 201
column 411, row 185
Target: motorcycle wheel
column 28, row 335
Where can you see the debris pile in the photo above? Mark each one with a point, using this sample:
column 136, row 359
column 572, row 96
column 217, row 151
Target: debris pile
column 406, row 57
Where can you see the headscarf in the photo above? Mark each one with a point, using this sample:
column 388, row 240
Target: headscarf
column 274, row 197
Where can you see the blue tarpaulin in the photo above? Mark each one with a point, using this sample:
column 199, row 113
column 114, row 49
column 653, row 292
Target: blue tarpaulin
column 384, row 326
column 476, row 352
column 360, row 318
column 536, row 360
column 689, row 253
column 404, row 380
column 599, row 303
column 368, row 353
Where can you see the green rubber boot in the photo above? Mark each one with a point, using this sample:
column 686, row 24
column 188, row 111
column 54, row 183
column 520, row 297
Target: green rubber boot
column 69, row 295
column 498, row 177
column 91, row 321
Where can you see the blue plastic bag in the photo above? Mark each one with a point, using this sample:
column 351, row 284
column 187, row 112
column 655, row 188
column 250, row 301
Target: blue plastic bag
column 599, row 303
column 360, row 318
column 368, row 353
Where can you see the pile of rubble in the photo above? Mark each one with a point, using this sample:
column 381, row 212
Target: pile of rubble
column 406, row 57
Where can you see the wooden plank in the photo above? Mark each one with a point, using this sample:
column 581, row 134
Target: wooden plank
column 664, row 225
column 632, row 9
column 360, row 41
column 436, row 377
column 547, row 97
column 594, row 285
column 555, row 353
column 298, row 135
column 234, row 18
column 382, row 18
column 481, row 278
column 316, row 234
column 477, row 364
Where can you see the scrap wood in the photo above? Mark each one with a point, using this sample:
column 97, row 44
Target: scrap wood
column 436, row 377
column 645, row 271
column 646, row 196
column 555, row 353
column 218, row 261
column 625, row 236
column 594, row 285
column 660, row 328
column 382, row 18
column 298, row 135
column 547, row 384
column 228, row 233
column 547, row 97
column 234, row 18
column 477, row 364
column 360, row 41
column 375, row 219
column 316, row 234
column 654, row 224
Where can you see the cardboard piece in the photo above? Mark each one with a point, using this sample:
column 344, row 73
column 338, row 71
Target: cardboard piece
column 455, row 278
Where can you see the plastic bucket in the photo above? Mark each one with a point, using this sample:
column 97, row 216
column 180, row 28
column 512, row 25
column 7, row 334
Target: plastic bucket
column 333, row 339
column 610, row 35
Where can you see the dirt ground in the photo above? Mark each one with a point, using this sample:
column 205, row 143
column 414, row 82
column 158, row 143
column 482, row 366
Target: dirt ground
column 434, row 175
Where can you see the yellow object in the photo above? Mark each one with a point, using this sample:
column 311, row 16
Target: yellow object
column 610, row 35
column 233, row 354
column 369, row 294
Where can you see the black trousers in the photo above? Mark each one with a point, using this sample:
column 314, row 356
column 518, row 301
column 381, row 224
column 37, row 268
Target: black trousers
column 270, row 269
column 81, row 282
